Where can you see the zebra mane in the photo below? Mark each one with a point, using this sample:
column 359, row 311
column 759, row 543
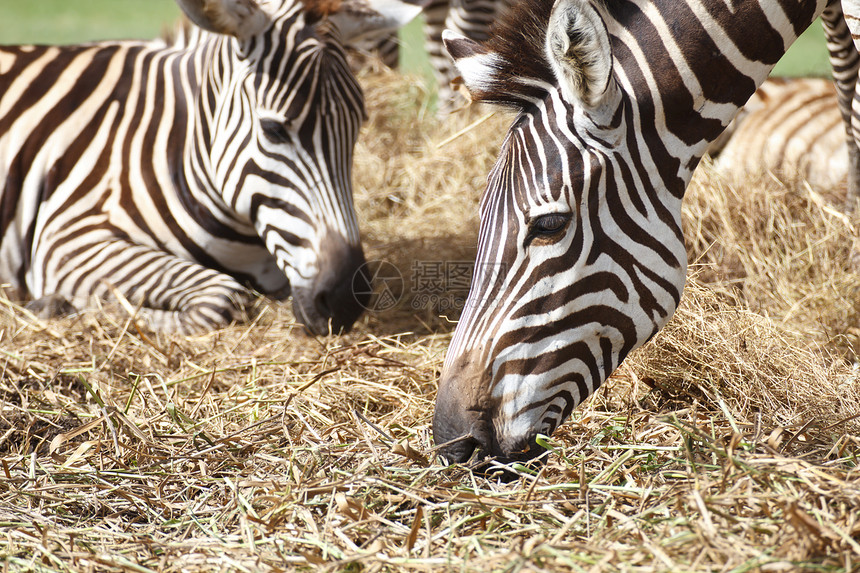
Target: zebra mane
column 182, row 33
column 316, row 10
column 177, row 35
column 519, row 37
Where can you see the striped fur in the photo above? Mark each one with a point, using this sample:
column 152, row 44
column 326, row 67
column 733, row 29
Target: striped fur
column 176, row 176
column 581, row 255
column 841, row 26
column 792, row 128
column 472, row 19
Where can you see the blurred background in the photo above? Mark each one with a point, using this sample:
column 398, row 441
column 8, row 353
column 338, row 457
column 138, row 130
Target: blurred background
column 70, row 21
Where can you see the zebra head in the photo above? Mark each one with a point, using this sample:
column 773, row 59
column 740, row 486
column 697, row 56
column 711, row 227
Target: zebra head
column 278, row 117
column 580, row 257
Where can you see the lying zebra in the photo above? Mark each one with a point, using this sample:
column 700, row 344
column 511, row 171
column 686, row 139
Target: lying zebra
column 791, row 128
column 178, row 175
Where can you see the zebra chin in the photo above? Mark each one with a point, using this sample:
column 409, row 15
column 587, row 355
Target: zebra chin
column 338, row 295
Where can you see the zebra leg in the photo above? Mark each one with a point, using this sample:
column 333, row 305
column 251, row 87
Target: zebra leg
column 469, row 18
column 840, row 21
column 210, row 301
column 388, row 50
column 435, row 14
column 171, row 294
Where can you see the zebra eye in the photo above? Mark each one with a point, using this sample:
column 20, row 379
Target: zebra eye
column 548, row 225
column 275, row 131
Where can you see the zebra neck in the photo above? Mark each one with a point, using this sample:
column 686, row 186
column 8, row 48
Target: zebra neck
column 208, row 96
column 688, row 67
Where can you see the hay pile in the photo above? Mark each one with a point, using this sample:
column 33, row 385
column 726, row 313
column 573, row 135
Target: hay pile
column 727, row 443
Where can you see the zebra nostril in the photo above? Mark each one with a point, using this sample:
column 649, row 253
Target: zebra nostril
column 459, row 431
column 322, row 303
column 459, row 450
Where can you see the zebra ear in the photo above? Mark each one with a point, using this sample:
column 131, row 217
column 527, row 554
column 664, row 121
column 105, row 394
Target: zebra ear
column 579, row 51
column 360, row 20
column 478, row 66
column 239, row 18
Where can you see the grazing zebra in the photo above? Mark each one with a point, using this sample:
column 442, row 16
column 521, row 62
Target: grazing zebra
column 177, row 175
column 791, row 127
column 581, row 255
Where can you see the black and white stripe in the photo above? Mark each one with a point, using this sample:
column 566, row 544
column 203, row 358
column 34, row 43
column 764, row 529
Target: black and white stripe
column 617, row 102
column 469, row 18
column 178, row 175
column 841, row 26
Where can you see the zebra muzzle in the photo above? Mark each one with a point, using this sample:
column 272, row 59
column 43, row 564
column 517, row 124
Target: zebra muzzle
column 461, row 422
column 338, row 295
column 466, row 424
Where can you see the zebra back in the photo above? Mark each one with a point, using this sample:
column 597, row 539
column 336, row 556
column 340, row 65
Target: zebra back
column 792, row 128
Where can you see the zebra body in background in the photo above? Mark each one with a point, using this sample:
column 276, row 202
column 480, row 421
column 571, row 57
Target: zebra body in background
column 792, row 128
column 469, row 18
column 176, row 175
column 617, row 102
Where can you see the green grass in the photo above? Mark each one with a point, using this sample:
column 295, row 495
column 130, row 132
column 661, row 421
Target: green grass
column 807, row 56
column 69, row 21
column 413, row 56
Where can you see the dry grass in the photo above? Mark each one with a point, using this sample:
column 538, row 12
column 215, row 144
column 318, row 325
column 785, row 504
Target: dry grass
column 788, row 251
column 726, row 444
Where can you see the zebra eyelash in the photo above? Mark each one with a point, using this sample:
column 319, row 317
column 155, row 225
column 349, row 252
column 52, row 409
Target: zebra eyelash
column 548, row 227
column 275, row 130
